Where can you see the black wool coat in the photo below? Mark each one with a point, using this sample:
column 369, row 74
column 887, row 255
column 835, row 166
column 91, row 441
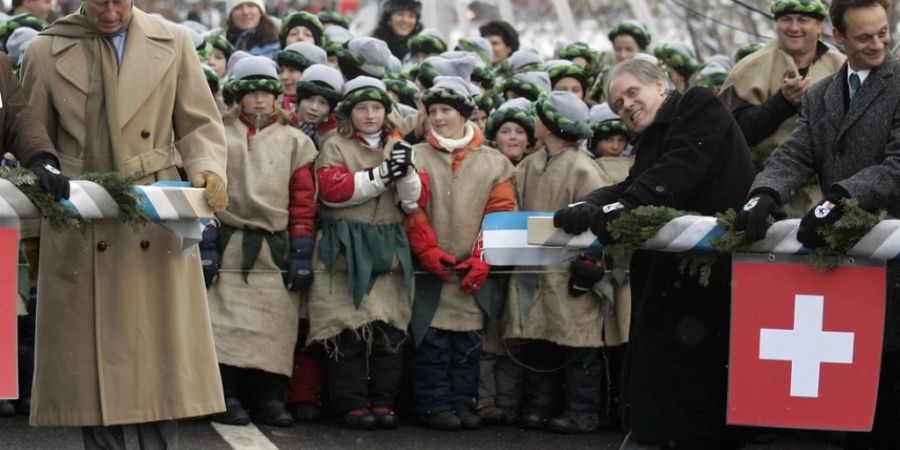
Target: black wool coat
column 693, row 157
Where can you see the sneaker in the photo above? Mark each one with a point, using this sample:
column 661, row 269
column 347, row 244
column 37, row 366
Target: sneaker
column 469, row 420
column 234, row 414
column 359, row 419
column 492, row 415
column 305, row 411
column 385, row 417
column 571, row 422
column 443, row 421
column 272, row 414
column 510, row 416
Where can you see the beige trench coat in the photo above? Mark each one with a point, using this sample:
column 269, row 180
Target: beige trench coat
column 123, row 331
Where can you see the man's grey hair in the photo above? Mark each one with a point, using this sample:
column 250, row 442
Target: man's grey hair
column 645, row 71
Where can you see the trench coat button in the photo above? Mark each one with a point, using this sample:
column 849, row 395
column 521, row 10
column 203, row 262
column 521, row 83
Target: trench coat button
column 102, row 245
column 145, row 134
column 660, row 189
column 145, row 244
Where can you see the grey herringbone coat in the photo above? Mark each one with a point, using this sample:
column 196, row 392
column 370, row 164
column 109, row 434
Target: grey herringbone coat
column 854, row 144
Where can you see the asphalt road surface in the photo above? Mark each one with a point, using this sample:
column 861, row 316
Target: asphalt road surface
column 201, row 434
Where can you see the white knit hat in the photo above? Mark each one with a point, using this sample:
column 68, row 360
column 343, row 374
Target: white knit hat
column 231, row 4
column 374, row 54
column 601, row 113
column 255, row 66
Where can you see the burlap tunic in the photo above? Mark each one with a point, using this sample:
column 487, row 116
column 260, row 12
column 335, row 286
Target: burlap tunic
column 255, row 322
column 539, row 305
column 615, row 288
column 455, row 210
column 331, row 308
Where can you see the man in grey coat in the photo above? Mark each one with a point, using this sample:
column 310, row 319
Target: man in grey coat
column 849, row 135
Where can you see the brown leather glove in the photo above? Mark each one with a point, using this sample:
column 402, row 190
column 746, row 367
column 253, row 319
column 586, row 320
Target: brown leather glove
column 215, row 190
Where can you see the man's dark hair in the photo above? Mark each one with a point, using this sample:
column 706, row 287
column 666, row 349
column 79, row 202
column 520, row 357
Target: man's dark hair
column 840, row 7
column 503, row 29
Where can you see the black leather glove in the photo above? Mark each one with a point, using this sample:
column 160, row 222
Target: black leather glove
column 826, row 212
column 753, row 218
column 575, row 218
column 584, row 272
column 602, row 217
column 402, row 156
column 209, row 254
column 300, row 272
column 46, row 167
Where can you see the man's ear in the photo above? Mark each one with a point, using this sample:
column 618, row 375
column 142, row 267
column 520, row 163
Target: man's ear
column 839, row 37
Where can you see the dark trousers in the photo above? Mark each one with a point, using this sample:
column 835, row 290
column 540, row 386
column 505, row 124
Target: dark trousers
column 253, row 387
column 885, row 434
column 151, row 436
column 359, row 379
column 445, row 371
column 583, row 379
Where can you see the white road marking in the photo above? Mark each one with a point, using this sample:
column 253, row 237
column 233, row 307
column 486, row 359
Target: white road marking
column 243, row 437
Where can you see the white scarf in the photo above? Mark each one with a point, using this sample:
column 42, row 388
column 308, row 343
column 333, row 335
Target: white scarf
column 453, row 144
column 374, row 140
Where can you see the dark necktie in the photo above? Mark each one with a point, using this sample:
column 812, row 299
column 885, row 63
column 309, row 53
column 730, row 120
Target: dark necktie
column 854, row 84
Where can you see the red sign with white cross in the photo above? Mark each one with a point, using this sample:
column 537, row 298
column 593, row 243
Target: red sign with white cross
column 805, row 344
column 9, row 372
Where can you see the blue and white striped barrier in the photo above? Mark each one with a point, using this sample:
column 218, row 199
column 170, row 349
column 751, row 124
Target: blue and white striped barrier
column 528, row 238
column 162, row 202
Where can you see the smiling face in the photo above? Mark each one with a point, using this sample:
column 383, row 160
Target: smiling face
column 798, row 34
column 246, row 16
column 368, row 116
column 636, row 102
column 446, row 121
column 866, row 38
column 402, row 22
column 512, row 140
column 313, row 109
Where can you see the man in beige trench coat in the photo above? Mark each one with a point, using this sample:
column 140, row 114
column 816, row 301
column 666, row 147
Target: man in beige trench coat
column 123, row 331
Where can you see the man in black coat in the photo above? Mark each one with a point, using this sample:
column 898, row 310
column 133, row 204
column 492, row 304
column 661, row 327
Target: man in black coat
column 691, row 156
column 849, row 135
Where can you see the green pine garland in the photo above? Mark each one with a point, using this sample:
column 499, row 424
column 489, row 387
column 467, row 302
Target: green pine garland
column 119, row 187
column 842, row 235
column 633, row 228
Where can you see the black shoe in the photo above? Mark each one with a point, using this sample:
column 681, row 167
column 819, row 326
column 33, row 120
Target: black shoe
column 573, row 423
column 360, row 419
column 7, row 409
column 533, row 421
column 23, row 406
column 305, row 412
column 469, row 420
column 492, row 415
column 272, row 414
column 385, row 417
column 234, row 414
column 445, row 421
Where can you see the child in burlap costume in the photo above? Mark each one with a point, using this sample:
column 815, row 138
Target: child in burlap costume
column 267, row 228
column 466, row 180
column 360, row 309
column 318, row 93
column 553, row 306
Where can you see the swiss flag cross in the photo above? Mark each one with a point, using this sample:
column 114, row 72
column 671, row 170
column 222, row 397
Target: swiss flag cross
column 805, row 344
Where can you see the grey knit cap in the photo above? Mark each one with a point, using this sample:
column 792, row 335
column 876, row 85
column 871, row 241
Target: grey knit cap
column 320, row 79
column 478, row 45
column 601, row 113
column 374, row 54
column 564, row 114
column 17, row 42
column 337, row 33
column 255, row 66
column 232, row 62
column 301, row 55
column 524, row 60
